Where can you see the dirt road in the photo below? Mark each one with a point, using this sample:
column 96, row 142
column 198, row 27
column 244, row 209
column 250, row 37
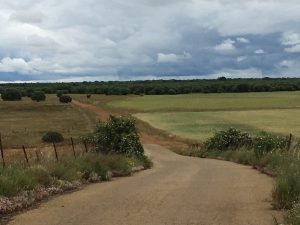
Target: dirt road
column 101, row 113
column 177, row 191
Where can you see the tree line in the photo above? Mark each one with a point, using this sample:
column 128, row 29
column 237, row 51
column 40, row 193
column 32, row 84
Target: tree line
column 158, row 87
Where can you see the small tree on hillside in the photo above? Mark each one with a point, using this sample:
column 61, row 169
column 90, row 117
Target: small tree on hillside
column 38, row 96
column 52, row 136
column 11, row 95
column 65, row 99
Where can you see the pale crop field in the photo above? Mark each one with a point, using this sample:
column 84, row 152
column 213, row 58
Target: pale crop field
column 202, row 125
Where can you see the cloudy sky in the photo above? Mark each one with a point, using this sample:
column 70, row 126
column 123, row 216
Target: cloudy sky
column 75, row 40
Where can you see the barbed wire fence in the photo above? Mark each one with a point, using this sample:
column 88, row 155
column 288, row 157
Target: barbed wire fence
column 51, row 152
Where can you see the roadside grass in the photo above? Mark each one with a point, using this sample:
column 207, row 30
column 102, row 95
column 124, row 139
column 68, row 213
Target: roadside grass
column 202, row 125
column 207, row 102
column 24, row 122
column 89, row 167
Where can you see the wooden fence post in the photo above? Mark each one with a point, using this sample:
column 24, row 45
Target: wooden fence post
column 85, row 146
column 55, row 151
column 289, row 142
column 73, row 148
column 37, row 156
column 25, row 154
column 2, row 152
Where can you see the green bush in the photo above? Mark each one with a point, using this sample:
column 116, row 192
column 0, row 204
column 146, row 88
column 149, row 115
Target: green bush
column 41, row 175
column 146, row 162
column 243, row 156
column 52, row 136
column 11, row 95
column 229, row 139
column 265, row 143
column 14, row 180
column 38, row 96
column 7, row 186
column 117, row 135
column 65, row 99
column 64, row 171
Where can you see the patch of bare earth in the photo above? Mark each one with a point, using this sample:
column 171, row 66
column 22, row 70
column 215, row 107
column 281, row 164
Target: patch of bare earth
column 101, row 113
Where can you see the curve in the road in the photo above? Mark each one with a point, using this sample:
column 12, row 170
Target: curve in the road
column 177, row 191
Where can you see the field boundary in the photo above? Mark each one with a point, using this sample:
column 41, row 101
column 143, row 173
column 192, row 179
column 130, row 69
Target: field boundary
column 49, row 152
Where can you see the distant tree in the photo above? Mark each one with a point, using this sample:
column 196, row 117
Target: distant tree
column 172, row 92
column 59, row 93
column 65, row 99
column 29, row 92
column 11, row 95
column 266, row 78
column 38, row 96
column 222, row 78
column 52, row 136
column 244, row 87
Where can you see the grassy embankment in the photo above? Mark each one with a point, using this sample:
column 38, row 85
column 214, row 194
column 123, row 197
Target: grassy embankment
column 89, row 167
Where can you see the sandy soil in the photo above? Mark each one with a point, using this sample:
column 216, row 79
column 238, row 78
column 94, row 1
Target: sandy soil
column 177, row 191
column 101, row 113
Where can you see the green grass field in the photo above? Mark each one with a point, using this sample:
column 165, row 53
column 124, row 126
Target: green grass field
column 24, row 122
column 198, row 116
column 208, row 102
column 202, row 125
column 194, row 116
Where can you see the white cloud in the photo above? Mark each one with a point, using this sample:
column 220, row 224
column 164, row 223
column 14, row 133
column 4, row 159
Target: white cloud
column 290, row 38
column 163, row 58
column 247, row 17
column 245, row 73
column 259, row 51
column 286, row 63
column 171, row 58
column 292, row 41
column 293, row 49
column 241, row 58
column 227, row 46
column 27, row 17
column 290, row 67
column 242, row 40
column 14, row 65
